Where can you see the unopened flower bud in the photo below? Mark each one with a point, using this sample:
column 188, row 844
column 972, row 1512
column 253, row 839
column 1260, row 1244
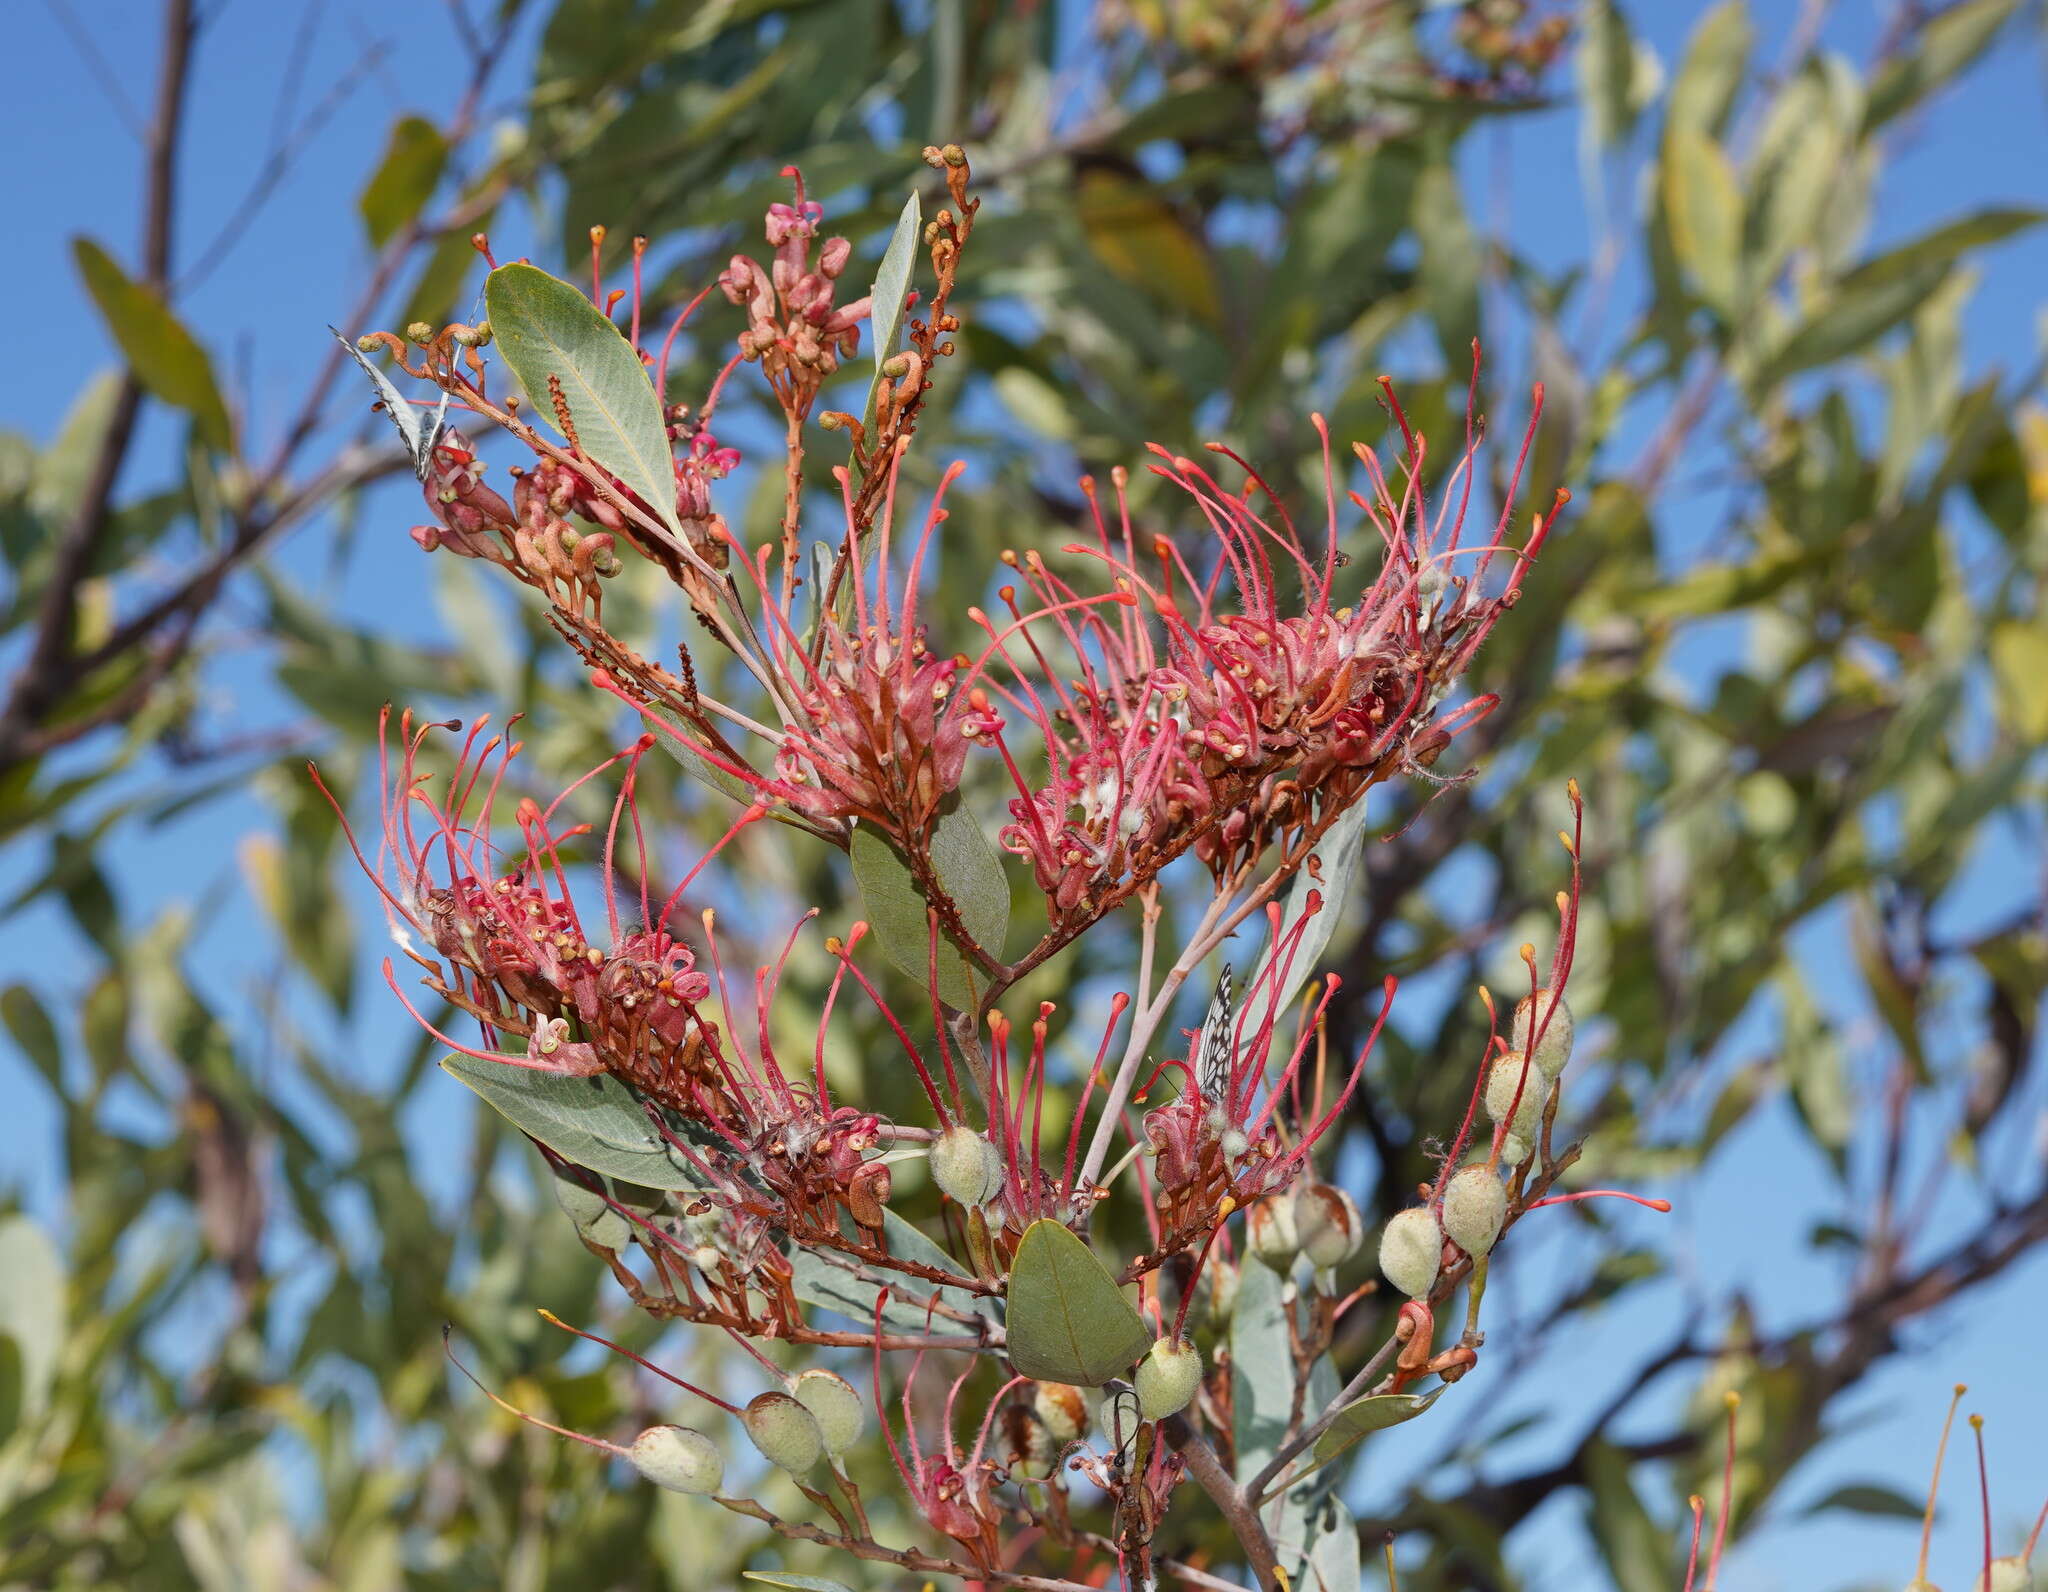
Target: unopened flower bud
column 966, row 1167
column 1411, row 1249
column 1060, row 1409
column 1269, row 1225
column 1167, row 1377
column 419, row 332
column 1328, row 1224
column 1554, row 1049
column 833, row 257
column 679, row 1459
column 1475, row 1204
column 834, row 1405
column 784, row 1431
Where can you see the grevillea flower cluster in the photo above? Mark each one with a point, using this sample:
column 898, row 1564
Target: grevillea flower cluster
column 1211, row 676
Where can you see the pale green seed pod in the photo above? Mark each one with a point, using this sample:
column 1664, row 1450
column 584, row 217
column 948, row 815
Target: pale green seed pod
column 784, row 1431
column 834, row 1405
column 1328, row 1224
column 1060, row 1409
column 1117, row 1416
column 1514, row 1149
column 2009, row 1574
column 1411, row 1250
column 1234, row 1144
column 1223, row 1281
column 1920, row 1583
column 1555, row 1048
column 596, row 1222
column 1167, row 1377
column 1504, row 1078
column 1269, row 1226
column 1475, row 1205
column 965, row 1166
column 679, row 1459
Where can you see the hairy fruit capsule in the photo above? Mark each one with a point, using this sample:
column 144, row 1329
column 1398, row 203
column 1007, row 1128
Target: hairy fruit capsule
column 1167, row 1377
column 1411, row 1250
column 1328, row 1224
column 678, row 1458
column 1554, row 1049
column 1060, row 1409
column 1475, row 1205
column 965, row 1166
column 834, row 1405
column 1503, row 1081
column 1269, row 1226
column 784, row 1431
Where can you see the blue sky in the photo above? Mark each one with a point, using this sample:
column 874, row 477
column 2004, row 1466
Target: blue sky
column 266, row 308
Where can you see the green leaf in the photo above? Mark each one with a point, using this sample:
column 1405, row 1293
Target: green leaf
column 1637, row 1552
column 1449, row 269
column 1850, row 322
column 29, row 1024
column 32, row 1307
column 1869, row 1498
column 1939, row 247
column 1711, row 74
column 596, row 1122
column 798, row 1583
column 63, row 468
column 1618, row 75
column 1374, row 1413
column 1333, row 1558
column 1941, row 50
column 1337, row 857
column 2019, row 663
column 1261, row 1367
column 817, row 1281
column 1704, row 202
column 11, row 1386
column 696, row 765
column 891, row 287
column 1068, row 1320
column 404, row 180
column 164, row 356
column 545, row 327
column 969, row 871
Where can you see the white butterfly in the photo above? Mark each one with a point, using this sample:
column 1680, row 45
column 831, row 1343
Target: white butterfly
column 419, row 440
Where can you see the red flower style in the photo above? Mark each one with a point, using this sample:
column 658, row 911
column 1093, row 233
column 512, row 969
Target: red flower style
column 1228, row 726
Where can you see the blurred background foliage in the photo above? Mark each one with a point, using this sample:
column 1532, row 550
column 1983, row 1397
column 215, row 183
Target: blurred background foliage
column 1790, row 640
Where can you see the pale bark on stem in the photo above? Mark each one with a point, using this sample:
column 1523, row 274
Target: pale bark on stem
column 1229, row 1498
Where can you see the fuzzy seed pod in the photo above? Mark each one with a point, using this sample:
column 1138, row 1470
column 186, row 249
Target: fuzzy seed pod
column 1223, row 1281
column 1555, row 1048
column 1167, row 1377
column 1060, row 1409
column 1920, row 1583
column 1475, row 1204
column 1269, row 1225
column 1411, row 1249
column 786, row 1433
column 1328, row 1224
column 679, row 1459
column 834, row 1405
column 1501, row 1084
column 2009, row 1574
column 1234, row 1144
column 966, row 1166
column 1514, row 1150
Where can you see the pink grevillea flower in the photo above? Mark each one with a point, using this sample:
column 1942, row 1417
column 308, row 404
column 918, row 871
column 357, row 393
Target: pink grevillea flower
column 1217, row 725
column 794, row 329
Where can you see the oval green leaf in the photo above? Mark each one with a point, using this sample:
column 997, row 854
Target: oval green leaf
column 892, row 286
column 597, row 1122
column 404, row 180
column 1068, row 1320
column 972, row 874
column 31, row 1310
column 547, row 328
column 165, row 357
column 796, row 1583
column 1374, row 1413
